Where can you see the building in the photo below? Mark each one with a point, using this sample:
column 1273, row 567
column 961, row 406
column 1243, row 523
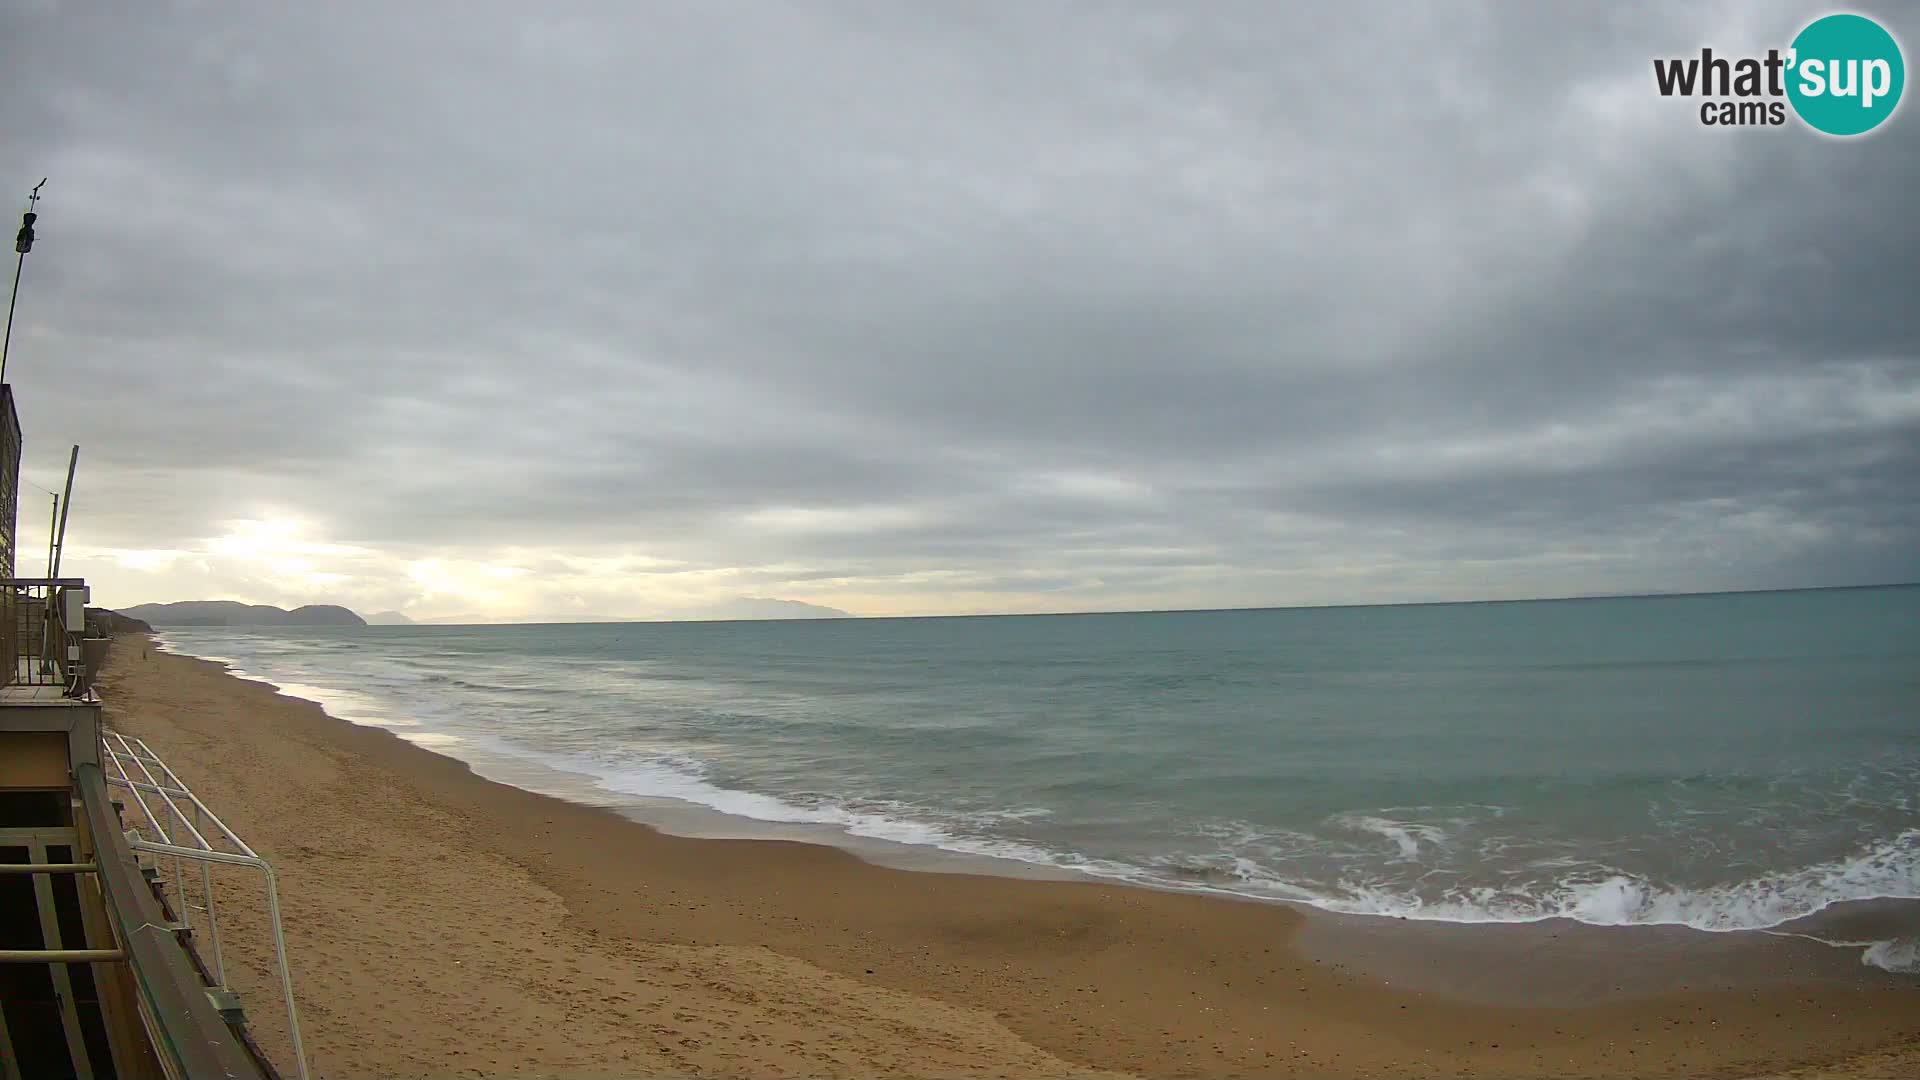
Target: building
column 101, row 973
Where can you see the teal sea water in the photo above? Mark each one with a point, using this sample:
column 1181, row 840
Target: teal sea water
column 1723, row 762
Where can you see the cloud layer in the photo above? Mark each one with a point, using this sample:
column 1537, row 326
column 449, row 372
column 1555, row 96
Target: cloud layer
column 912, row 309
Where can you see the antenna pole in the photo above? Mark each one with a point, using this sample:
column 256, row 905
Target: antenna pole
column 22, row 243
column 46, row 606
column 66, row 504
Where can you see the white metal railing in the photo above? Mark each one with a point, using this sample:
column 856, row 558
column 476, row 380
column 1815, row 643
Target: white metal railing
column 185, row 839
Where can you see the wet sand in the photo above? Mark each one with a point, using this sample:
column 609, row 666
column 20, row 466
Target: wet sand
column 443, row 924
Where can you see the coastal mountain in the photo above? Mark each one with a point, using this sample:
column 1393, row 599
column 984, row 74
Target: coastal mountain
column 233, row 613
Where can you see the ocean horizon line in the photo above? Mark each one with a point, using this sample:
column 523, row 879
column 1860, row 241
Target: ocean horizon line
column 617, row 621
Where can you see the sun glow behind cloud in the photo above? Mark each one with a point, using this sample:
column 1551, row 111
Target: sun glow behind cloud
column 1105, row 329
column 286, row 559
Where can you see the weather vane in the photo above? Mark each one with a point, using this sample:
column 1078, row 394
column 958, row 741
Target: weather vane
column 23, row 242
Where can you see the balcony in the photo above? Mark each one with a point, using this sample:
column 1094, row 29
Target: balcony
column 43, row 635
column 98, row 970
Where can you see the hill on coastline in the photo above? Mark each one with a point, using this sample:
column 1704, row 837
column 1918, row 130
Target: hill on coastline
column 234, row 613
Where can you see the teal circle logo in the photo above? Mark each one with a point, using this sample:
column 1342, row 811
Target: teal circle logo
column 1845, row 74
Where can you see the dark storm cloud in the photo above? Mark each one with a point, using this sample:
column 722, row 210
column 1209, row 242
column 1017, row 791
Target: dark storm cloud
column 1079, row 306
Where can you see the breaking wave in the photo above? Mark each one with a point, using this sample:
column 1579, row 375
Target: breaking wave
column 1887, row 869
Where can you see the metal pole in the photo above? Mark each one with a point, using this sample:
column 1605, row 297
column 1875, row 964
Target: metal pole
column 66, row 504
column 46, row 603
column 213, row 921
column 59, row 956
column 286, row 975
column 18, row 265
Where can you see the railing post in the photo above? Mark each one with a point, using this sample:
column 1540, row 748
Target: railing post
column 286, row 974
column 213, row 920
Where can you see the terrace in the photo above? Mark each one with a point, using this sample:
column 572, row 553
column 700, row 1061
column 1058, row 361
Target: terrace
column 100, row 969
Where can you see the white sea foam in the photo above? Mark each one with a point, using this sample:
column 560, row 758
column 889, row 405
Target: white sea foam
column 1406, row 835
column 684, row 780
column 1899, row 954
column 1888, row 869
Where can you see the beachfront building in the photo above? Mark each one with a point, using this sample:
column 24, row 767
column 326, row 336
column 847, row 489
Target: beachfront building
column 99, row 970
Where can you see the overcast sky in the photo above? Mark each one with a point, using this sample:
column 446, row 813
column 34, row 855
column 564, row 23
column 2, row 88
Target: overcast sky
column 914, row 308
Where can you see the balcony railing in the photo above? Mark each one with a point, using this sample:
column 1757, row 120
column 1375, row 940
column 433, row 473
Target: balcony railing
column 43, row 624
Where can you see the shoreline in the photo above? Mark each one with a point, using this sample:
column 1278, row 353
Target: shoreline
column 1046, row 976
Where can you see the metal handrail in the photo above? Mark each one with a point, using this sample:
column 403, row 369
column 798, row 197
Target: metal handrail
column 188, row 1036
column 120, row 751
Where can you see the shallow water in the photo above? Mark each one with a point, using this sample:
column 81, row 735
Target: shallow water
column 1721, row 762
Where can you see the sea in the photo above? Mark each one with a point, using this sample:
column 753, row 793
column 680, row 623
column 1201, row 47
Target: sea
column 1723, row 762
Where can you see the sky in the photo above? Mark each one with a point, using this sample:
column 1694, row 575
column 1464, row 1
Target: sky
column 510, row 311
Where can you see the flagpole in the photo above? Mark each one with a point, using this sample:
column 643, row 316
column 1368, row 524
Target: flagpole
column 22, row 243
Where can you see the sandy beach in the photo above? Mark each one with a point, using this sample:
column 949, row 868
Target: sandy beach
column 441, row 924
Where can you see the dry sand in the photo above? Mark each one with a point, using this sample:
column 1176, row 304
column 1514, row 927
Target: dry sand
column 441, row 924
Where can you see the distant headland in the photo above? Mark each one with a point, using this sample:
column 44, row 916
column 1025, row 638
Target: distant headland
column 234, row 613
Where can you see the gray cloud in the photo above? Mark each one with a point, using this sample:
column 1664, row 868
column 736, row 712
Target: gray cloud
column 912, row 308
